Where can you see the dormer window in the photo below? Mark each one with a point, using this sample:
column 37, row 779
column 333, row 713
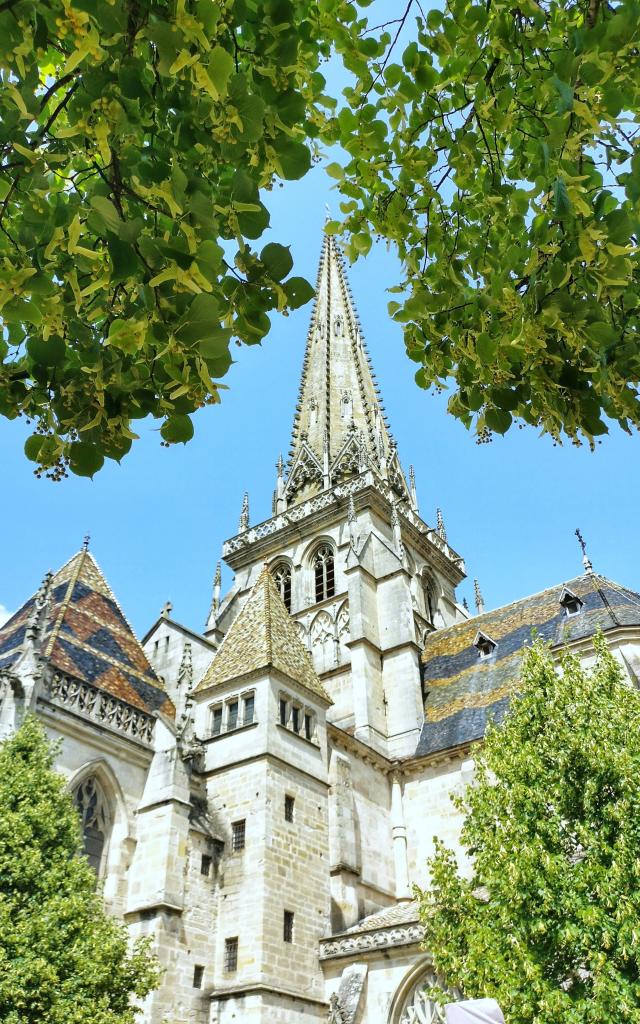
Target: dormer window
column 484, row 645
column 570, row 602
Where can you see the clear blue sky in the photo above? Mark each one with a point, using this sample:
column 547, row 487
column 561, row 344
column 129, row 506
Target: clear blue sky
column 157, row 522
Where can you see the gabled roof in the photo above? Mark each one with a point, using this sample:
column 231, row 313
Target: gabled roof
column 83, row 633
column 263, row 636
column 463, row 691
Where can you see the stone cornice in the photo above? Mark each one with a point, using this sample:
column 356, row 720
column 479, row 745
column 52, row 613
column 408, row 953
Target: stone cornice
column 344, row 741
column 249, row 988
column 372, row 941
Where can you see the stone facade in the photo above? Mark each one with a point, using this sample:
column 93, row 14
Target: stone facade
column 269, row 789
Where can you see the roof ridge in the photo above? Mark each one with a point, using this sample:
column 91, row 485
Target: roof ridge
column 64, row 604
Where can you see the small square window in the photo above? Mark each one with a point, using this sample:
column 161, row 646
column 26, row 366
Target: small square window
column 249, row 709
column 287, row 930
column 289, row 803
column 238, row 835
column 216, row 721
column 295, row 719
column 205, row 864
column 308, row 727
column 231, row 954
column 283, row 711
column 232, row 716
column 198, row 975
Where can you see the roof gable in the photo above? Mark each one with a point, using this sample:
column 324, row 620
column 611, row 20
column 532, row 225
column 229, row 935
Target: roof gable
column 263, row 636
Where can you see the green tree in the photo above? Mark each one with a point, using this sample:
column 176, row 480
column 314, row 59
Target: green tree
column 548, row 923
column 62, row 959
column 493, row 146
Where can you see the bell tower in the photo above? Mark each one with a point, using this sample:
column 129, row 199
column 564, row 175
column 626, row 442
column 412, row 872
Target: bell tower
column 362, row 574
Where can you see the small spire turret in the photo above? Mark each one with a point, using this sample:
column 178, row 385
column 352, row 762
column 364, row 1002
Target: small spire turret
column 413, row 495
column 244, row 514
column 586, row 561
column 478, row 598
column 215, row 602
column 440, row 525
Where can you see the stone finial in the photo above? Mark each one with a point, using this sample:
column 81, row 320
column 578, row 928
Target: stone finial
column 478, row 598
column 280, row 466
column 215, row 602
column 586, row 561
column 413, row 495
column 37, row 618
column 440, row 524
column 185, row 672
column 352, row 523
column 85, row 542
column 167, row 608
column 244, row 514
column 351, row 511
column 465, row 604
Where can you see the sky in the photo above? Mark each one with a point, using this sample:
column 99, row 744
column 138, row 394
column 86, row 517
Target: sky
column 157, row 521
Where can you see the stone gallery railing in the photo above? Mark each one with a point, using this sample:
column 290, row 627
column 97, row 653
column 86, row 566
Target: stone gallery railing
column 101, row 707
column 330, row 497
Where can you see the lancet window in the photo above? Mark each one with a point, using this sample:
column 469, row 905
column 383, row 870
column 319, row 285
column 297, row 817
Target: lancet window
column 324, row 573
column 282, row 577
column 95, row 819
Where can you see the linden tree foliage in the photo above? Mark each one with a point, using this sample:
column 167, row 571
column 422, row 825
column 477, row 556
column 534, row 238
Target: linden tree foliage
column 137, row 138
column 63, row 959
column 495, row 146
column 548, row 922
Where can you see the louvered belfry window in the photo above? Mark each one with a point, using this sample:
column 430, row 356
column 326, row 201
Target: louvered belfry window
column 324, row 570
column 282, row 577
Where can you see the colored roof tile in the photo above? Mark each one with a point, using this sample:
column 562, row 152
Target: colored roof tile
column 464, row 690
column 263, row 636
column 86, row 635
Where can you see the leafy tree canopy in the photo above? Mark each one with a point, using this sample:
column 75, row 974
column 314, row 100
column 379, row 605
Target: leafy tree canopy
column 549, row 920
column 62, row 959
column 492, row 146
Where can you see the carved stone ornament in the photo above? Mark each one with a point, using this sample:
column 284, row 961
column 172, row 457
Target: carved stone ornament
column 335, row 1013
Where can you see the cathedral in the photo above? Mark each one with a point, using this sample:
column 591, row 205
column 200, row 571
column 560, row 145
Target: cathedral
column 259, row 797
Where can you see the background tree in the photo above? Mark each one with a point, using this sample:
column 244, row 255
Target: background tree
column 62, row 959
column 139, row 140
column 548, row 923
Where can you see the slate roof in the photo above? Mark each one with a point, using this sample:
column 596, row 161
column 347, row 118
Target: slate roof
column 263, row 636
column 83, row 633
column 463, row 691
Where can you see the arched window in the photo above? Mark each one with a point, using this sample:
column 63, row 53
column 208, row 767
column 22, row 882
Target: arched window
column 282, row 576
column 95, row 820
column 324, row 572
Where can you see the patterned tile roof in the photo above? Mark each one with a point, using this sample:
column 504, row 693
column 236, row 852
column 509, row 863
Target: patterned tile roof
column 463, row 691
column 83, row 633
column 263, row 636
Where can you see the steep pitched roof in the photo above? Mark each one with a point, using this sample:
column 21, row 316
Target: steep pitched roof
column 83, row 633
column 263, row 636
column 465, row 690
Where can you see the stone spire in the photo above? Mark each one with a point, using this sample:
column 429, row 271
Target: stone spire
column 215, row 602
column 440, row 524
column 339, row 425
column 412, row 489
column 479, row 598
column 244, row 514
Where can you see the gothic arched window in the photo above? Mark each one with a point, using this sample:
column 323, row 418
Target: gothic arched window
column 282, row 576
column 95, row 820
column 324, row 573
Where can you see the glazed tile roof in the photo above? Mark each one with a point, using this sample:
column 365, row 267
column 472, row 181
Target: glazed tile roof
column 83, row 633
column 263, row 636
column 463, row 691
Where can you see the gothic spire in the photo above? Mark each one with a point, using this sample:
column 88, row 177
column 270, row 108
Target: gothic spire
column 244, row 514
column 479, row 598
column 339, row 425
column 440, row 524
column 215, row 602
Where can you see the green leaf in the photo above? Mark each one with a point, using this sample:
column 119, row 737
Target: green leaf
column 298, row 291
column 46, row 353
column 177, row 429
column 486, row 347
column 335, row 171
column 107, row 213
column 123, row 257
column 277, row 259
column 221, row 67
column 85, row 459
column 498, row 419
column 294, row 158
column 561, row 201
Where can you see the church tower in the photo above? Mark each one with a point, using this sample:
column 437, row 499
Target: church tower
column 364, row 577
